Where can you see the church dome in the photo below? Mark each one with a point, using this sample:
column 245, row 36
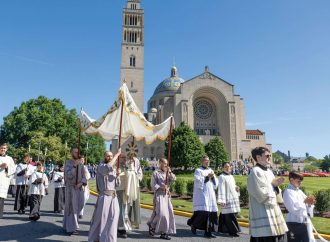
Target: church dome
column 170, row 84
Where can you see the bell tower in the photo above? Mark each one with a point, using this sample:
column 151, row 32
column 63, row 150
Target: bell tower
column 132, row 51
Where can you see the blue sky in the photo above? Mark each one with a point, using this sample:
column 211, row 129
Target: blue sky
column 276, row 53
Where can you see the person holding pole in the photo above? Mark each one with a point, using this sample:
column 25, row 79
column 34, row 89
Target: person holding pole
column 75, row 179
column 105, row 218
column 162, row 219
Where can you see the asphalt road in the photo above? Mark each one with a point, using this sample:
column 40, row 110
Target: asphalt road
column 16, row 227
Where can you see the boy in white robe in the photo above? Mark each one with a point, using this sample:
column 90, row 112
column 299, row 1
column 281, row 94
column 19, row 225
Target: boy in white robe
column 59, row 185
column 204, row 200
column 37, row 189
column 23, row 171
column 300, row 208
column 228, row 198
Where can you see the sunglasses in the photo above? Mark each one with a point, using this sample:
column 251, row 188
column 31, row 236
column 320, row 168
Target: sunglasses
column 268, row 156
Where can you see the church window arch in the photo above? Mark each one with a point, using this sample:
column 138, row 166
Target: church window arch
column 132, row 60
column 205, row 117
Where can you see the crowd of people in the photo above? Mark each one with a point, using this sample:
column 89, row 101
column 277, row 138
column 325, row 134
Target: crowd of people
column 117, row 209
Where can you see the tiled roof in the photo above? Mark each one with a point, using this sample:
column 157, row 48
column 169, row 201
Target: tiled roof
column 254, row 132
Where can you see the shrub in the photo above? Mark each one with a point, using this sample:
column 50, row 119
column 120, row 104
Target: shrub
column 172, row 187
column 149, row 183
column 322, row 200
column 180, row 186
column 144, row 182
column 190, row 187
column 244, row 195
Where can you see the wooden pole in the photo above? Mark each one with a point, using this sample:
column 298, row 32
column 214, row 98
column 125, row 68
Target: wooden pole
column 78, row 147
column 78, row 142
column 120, row 129
column 169, row 149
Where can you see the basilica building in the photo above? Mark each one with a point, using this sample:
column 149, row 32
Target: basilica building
column 206, row 102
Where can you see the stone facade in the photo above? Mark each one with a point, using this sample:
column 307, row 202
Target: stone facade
column 132, row 51
column 207, row 103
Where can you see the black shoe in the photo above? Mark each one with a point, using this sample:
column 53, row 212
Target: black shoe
column 19, row 211
column 209, row 235
column 193, row 230
column 165, row 236
column 73, row 233
column 151, row 230
column 122, row 233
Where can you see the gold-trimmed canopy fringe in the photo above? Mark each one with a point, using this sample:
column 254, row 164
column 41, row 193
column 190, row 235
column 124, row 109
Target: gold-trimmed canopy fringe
column 134, row 122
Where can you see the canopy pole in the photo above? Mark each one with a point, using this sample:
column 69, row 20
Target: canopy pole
column 169, row 149
column 120, row 129
column 79, row 137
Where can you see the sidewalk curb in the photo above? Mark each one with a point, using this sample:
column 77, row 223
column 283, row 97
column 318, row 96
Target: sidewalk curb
column 188, row 215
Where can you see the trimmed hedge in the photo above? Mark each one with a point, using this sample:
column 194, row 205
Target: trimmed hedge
column 190, row 187
column 322, row 200
column 244, row 195
column 180, row 186
column 172, row 187
column 149, row 183
column 144, row 182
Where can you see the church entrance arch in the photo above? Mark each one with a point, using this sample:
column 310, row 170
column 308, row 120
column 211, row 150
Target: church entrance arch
column 205, row 117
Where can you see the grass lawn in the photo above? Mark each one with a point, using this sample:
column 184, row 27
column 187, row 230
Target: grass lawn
column 322, row 225
column 310, row 183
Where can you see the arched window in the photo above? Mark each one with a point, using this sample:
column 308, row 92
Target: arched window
column 132, row 61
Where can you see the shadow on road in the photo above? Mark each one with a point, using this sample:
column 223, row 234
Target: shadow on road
column 29, row 231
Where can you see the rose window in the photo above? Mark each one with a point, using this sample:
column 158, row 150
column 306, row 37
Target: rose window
column 203, row 109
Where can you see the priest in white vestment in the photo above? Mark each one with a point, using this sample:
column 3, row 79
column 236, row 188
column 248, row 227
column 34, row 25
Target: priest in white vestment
column 266, row 219
column 228, row 199
column 204, row 200
column 7, row 169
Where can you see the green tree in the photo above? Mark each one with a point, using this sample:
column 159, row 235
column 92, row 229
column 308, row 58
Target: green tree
column 277, row 159
column 311, row 158
column 286, row 167
column 325, row 165
column 46, row 123
column 216, row 151
column 310, row 168
column 284, row 156
column 187, row 150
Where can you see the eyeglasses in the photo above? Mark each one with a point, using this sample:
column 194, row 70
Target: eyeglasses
column 268, row 156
